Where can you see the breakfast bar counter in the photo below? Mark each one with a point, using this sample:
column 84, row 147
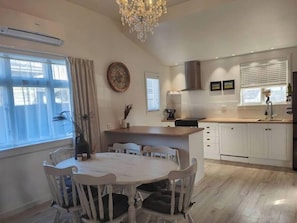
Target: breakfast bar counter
column 149, row 130
column 189, row 141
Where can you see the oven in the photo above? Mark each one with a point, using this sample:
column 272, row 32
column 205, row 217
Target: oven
column 188, row 122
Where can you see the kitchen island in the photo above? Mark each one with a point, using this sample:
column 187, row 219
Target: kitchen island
column 189, row 141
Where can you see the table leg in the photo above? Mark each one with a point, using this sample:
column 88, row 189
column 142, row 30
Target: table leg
column 131, row 202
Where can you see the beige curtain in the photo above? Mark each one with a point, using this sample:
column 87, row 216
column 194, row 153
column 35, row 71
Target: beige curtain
column 85, row 100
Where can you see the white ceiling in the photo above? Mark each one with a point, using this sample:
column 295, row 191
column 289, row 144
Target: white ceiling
column 206, row 29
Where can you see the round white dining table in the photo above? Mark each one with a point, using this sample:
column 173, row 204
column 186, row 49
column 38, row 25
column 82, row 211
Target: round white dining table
column 130, row 171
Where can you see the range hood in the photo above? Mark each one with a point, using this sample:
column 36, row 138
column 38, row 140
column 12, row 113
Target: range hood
column 192, row 75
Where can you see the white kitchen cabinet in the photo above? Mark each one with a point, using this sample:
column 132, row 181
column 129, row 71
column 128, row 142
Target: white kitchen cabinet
column 233, row 139
column 258, row 141
column 269, row 141
column 210, row 140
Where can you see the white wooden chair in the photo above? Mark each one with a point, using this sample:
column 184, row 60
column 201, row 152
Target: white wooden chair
column 174, row 204
column 63, row 191
column 61, row 154
column 98, row 201
column 130, row 148
column 162, row 152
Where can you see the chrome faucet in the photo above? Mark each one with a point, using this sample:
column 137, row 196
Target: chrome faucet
column 269, row 109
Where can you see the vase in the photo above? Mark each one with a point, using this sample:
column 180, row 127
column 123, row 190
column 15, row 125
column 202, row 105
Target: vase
column 82, row 147
column 123, row 124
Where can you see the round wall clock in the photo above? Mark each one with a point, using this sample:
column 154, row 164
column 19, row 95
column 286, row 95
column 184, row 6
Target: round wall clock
column 118, row 77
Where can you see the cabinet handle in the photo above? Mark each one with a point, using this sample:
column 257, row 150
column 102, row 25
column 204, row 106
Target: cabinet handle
column 208, row 139
column 207, row 132
column 207, row 127
column 232, row 128
column 208, row 145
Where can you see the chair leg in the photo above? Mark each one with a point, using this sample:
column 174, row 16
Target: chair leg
column 139, row 195
column 189, row 218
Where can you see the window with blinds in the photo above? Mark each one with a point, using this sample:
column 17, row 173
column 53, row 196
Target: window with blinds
column 257, row 76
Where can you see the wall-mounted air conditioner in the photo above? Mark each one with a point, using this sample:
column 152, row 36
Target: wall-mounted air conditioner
column 24, row 26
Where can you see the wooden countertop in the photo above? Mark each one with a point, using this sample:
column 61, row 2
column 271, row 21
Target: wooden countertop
column 148, row 130
column 246, row 120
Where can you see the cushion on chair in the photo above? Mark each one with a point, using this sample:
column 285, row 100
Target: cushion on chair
column 161, row 202
column 154, row 187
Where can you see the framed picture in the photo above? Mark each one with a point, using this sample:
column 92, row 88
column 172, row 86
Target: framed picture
column 228, row 85
column 216, row 86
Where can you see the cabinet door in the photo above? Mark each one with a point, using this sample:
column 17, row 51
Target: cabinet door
column 278, row 142
column 258, row 140
column 233, row 139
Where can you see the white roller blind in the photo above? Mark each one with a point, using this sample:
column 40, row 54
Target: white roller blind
column 261, row 73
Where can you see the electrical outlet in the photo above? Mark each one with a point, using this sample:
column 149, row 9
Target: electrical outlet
column 109, row 126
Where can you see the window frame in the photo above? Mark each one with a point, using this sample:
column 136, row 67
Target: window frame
column 149, row 75
column 262, row 85
column 9, row 148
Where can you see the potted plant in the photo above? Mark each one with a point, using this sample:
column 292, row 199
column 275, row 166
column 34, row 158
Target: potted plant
column 127, row 110
column 81, row 145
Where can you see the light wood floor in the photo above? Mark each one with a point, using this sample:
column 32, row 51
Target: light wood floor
column 229, row 193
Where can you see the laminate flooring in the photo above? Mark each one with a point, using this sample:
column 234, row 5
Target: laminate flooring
column 229, row 193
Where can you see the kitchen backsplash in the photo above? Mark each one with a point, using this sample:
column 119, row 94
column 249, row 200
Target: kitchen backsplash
column 232, row 110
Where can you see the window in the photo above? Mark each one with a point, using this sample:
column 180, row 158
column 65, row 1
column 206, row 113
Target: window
column 257, row 76
column 152, row 92
column 33, row 89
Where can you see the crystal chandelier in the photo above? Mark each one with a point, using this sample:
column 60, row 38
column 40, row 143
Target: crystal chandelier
column 141, row 15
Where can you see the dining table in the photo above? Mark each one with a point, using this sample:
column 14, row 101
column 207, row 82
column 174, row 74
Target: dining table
column 130, row 171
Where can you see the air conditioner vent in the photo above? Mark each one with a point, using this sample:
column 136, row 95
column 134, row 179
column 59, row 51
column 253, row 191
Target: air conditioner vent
column 24, row 26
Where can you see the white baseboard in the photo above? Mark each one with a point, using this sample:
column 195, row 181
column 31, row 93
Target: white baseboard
column 25, row 207
column 269, row 162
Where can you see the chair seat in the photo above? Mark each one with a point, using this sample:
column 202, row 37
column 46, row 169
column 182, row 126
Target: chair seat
column 155, row 186
column 160, row 202
column 120, row 206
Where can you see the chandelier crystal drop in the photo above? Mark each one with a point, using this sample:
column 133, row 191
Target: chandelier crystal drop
column 141, row 15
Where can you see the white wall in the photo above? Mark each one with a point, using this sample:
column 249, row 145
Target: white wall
column 95, row 37
column 91, row 36
column 206, row 103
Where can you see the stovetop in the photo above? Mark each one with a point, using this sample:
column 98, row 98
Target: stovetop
column 190, row 122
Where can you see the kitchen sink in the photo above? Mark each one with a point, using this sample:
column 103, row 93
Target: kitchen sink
column 270, row 120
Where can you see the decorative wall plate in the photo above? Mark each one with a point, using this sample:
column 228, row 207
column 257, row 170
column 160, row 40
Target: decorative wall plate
column 118, row 77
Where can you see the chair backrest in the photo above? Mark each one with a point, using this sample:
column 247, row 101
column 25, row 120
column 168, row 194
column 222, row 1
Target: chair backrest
column 130, row 148
column 61, row 154
column 61, row 185
column 164, row 152
column 96, row 197
column 182, row 184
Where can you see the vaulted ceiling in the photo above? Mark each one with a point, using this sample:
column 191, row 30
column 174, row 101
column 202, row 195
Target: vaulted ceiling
column 206, row 29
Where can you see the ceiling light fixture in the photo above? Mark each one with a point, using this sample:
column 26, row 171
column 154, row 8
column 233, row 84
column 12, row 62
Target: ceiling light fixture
column 141, row 15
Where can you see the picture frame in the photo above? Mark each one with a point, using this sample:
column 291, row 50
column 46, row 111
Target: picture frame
column 215, row 85
column 228, row 85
